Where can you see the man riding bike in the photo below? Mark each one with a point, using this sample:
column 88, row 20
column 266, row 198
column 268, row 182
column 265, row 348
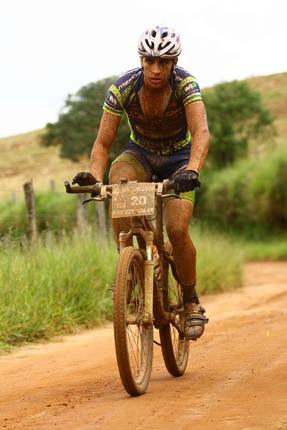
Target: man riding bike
column 169, row 138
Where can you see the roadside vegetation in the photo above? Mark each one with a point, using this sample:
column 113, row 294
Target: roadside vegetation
column 266, row 249
column 250, row 195
column 248, row 199
column 54, row 287
column 55, row 212
column 59, row 285
column 219, row 260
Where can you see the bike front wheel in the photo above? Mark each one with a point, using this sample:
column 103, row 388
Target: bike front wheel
column 175, row 348
column 133, row 338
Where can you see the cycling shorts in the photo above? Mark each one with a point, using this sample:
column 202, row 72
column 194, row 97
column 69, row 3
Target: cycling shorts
column 154, row 167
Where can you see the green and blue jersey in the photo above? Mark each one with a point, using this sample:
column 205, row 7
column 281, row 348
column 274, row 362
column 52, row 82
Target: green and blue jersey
column 160, row 135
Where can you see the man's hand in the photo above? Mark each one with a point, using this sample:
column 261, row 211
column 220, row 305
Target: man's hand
column 186, row 180
column 84, row 178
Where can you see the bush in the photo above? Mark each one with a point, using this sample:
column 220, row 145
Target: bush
column 251, row 193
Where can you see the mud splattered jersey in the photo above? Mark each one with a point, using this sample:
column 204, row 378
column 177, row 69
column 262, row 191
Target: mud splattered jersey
column 163, row 134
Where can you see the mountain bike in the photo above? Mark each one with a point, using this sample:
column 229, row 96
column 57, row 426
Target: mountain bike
column 146, row 291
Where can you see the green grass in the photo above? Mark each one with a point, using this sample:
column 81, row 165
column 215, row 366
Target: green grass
column 53, row 288
column 270, row 249
column 219, row 260
column 56, row 287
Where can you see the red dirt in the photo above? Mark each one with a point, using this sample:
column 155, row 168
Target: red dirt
column 236, row 377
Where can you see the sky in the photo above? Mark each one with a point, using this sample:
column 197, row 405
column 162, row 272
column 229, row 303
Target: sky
column 51, row 48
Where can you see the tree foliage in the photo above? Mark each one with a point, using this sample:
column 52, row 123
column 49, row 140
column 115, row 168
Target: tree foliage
column 235, row 116
column 79, row 120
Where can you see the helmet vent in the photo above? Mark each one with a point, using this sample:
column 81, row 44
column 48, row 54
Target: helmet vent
column 163, row 45
column 149, row 44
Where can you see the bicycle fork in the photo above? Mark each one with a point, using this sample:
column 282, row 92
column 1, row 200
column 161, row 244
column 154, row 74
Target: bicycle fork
column 148, row 237
column 148, row 279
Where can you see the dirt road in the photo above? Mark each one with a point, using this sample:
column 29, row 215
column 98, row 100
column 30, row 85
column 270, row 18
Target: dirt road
column 236, row 378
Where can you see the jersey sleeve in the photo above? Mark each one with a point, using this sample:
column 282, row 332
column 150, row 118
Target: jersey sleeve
column 189, row 90
column 113, row 102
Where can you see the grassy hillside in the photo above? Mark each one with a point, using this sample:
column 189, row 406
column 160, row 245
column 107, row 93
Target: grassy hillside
column 23, row 158
column 273, row 89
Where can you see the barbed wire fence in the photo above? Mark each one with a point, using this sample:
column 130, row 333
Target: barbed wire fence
column 83, row 221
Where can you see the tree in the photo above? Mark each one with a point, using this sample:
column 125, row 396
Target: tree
column 79, row 121
column 235, row 116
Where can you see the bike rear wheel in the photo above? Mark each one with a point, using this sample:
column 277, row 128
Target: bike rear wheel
column 133, row 339
column 175, row 349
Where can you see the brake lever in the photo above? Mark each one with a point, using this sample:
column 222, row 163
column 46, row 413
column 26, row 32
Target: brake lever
column 176, row 196
column 96, row 199
column 102, row 198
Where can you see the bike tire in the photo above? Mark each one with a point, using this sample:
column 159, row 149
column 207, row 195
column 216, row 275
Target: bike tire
column 175, row 350
column 133, row 339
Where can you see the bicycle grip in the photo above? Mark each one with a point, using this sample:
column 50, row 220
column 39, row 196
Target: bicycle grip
column 95, row 189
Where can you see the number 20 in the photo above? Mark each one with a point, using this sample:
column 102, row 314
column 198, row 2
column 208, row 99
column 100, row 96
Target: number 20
column 138, row 200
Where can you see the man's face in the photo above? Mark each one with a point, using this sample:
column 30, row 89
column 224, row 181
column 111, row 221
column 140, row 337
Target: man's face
column 157, row 70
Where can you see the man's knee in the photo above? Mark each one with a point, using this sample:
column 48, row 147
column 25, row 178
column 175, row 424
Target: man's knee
column 177, row 218
column 122, row 170
column 177, row 232
column 181, row 241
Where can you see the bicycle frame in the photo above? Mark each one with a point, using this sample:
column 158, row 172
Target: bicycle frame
column 147, row 235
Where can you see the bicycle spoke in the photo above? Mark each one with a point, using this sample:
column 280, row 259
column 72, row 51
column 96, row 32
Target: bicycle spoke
column 134, row 356
column 134, row 313
column 174, row 348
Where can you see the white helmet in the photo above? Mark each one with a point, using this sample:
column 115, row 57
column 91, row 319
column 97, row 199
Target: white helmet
column 159, row 41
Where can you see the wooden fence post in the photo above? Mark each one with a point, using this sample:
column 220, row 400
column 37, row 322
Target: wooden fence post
column 14, row 197
column 82, row 216
column 30, row 204
column 52, row 185
column 102, row 222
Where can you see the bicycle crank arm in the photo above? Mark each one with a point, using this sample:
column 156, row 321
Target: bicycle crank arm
column 176, row 323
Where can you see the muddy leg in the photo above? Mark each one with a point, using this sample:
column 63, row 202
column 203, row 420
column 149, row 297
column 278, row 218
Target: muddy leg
column 178, row 213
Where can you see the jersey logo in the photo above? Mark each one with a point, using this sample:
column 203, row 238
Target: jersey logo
column 191, row 88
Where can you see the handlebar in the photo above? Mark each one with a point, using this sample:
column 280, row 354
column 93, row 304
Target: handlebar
column 95, row 189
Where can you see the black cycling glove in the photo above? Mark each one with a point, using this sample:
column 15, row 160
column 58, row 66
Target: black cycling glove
column 186, row 180
column 84, row 178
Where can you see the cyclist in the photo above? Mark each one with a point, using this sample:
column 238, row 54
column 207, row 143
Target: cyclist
column 169, row 138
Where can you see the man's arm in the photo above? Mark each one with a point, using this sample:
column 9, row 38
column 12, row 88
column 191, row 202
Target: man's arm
column 100, row 151
column 198, row 127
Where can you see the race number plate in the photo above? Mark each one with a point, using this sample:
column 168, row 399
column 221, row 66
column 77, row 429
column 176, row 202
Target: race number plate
column 133, row 199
